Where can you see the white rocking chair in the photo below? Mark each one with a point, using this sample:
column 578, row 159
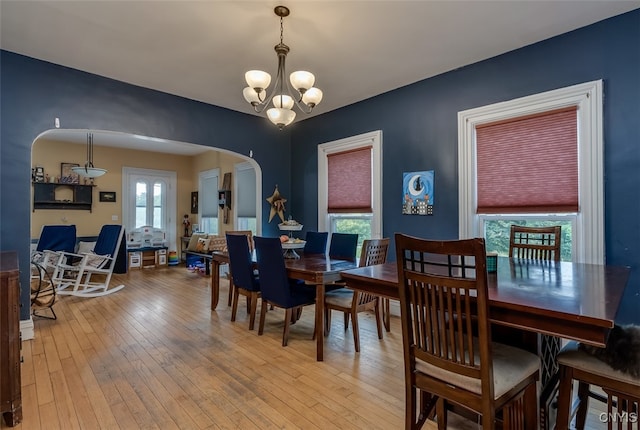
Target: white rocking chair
column 73, row 273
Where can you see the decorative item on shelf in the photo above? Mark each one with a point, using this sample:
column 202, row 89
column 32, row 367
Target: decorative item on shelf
column 37, row 174
column 67, row 174
column 304, row 94
column 277, row 205
column 89, row 170
column 186, row 223
column 290, row 243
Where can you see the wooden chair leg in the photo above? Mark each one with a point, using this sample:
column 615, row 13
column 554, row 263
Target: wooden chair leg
column 441, row 412
column 583, row 405
column 252, row 312
column 285, row 332
column 345, row 317
column 377, row 311
column 564, row 398
column 234, row 306
column 263, row 314
column 327, row 321
column 231, row 289
column 386, row 314
column 410, row 406
column 356, row 329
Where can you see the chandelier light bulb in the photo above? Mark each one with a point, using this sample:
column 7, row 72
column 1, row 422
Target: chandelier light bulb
column 251, row 96
column 281, row 117
column 283, row 101
column 258, row 80
column 302, row 80
column 312, row 97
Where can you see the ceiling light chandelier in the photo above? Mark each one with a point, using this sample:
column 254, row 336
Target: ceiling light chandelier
column 304, row 94
column 88, row 170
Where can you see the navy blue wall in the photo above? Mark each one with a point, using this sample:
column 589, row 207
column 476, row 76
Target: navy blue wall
column 419, row 124
column 419, row 127
column 33, row 93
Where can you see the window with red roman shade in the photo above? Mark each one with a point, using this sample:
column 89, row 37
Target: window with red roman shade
column 349, row 176
column 528, row 164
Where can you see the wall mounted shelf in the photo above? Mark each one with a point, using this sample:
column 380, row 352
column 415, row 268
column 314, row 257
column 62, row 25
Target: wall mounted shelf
column 44, row 196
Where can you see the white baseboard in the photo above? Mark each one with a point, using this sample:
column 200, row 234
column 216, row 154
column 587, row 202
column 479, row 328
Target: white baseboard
column 26, row 329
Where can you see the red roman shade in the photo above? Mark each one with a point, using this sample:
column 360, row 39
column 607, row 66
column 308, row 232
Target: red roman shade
column 528, row 164
column 349, row 175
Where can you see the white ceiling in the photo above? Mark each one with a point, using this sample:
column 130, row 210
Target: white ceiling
column 357, row 49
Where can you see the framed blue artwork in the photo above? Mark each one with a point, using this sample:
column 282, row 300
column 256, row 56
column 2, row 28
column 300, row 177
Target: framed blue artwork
column 417, row 193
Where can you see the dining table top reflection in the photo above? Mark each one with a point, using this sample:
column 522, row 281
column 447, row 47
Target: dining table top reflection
column 565, row 299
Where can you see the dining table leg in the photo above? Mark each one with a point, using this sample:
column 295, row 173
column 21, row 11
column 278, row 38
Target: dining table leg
column 320, row 321
column 215, row 283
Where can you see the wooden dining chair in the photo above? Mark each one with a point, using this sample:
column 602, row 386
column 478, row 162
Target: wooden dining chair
column 541, row 243
column 535, row 243
column 443, row 301
column 276, row 287
column 249, row 236
column 245, row 278
column 622, row 390
column 350, row 302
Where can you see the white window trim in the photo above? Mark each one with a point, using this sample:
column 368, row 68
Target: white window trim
column 587, row 97
column 373, row 139
column 128, row 197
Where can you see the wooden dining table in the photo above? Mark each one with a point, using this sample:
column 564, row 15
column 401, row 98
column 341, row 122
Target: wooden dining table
column 316, row 270
column 562, row 299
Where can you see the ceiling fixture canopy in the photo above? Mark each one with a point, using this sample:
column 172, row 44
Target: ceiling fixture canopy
column 88, row 170
column 298, row 90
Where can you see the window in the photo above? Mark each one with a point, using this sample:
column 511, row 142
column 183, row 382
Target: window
column 208, row 194
column 486, row 206
column 350, row 199
column 150, row 204
column 245, row 202
column 149, row 198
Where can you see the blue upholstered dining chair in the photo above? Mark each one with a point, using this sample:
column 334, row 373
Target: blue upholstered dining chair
column 245, row 278
column 343, row 246
column 316, row 242
column 277, row 288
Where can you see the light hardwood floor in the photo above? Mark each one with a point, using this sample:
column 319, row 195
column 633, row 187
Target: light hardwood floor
column 153, row 356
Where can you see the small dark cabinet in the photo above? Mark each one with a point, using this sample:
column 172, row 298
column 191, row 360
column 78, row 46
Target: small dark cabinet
column 10, row 387
column 44, row 196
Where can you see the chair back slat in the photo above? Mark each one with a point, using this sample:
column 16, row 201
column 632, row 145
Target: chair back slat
column 535, row 243
column 443, row 295
column 374, row 251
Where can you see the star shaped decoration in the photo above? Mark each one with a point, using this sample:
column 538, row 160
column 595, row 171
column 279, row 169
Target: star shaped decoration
column 277, row 205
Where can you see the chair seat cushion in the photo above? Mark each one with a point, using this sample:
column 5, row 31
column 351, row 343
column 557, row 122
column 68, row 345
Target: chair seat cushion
column 571, row 356
column 342, row 297
column 511, row 366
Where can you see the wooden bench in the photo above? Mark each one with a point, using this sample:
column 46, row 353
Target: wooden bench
column 216, row 243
